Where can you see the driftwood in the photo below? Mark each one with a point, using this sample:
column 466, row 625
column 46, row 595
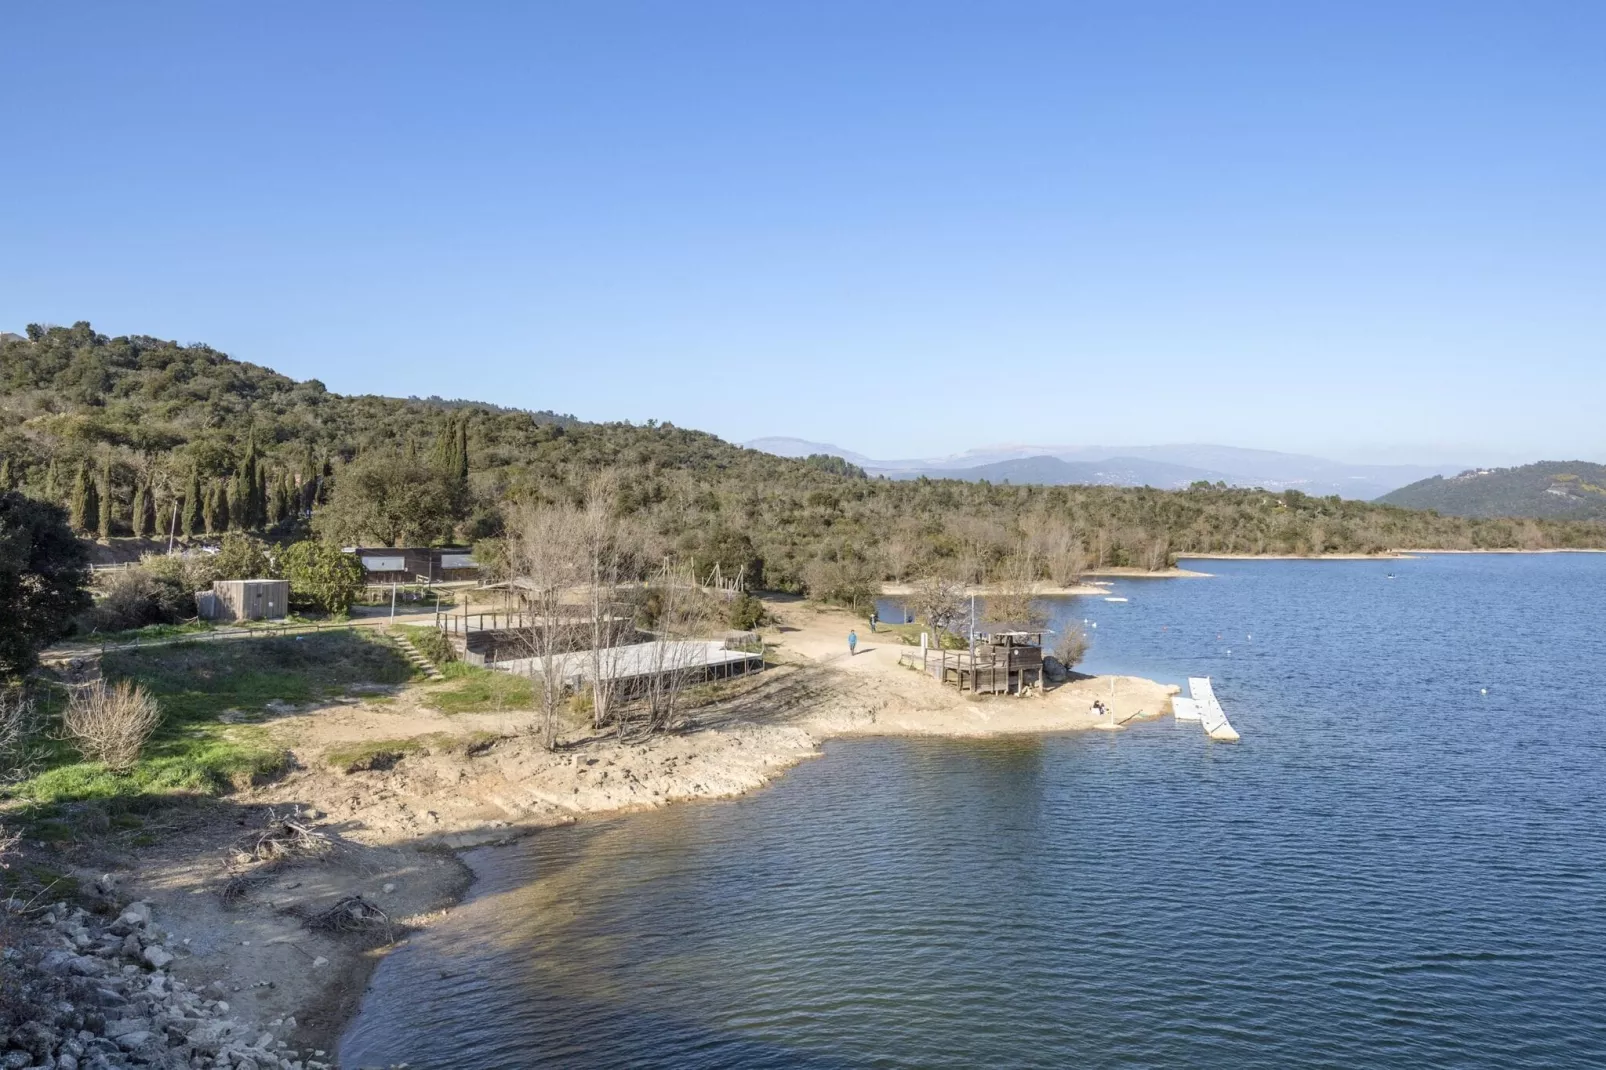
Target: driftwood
column 351, row 914
column 279, row 839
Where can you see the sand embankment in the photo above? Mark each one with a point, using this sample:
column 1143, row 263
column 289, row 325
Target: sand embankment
column 477, row 778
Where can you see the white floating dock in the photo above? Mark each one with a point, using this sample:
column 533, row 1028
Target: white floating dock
column 1184, row 709
column 1211, row 715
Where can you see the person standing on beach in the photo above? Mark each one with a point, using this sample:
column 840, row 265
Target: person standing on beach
column 873, row 619
column 853, row 641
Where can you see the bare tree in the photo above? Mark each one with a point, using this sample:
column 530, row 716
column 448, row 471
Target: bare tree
column 607, row 628
column 21, row 738
column 111, row 724
column 1157, row 553
column 940, row 602
column 1057, row 545
column 1014, row 597
column 676, row 654
column 546, row 558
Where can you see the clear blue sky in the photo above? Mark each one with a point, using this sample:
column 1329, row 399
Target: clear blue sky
column 907, row 228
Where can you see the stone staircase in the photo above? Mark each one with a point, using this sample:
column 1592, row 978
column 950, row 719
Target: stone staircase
column 416, row 659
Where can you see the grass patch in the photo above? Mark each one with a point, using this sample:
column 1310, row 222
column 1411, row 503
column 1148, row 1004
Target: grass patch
column 203, row 760
column 909, row 634
column 431, row 643
column 153, row 631
column 471, row 689
column 194, row 751
column 198, row 681
column 29, row 879
column 377, row 754
column 371, row 754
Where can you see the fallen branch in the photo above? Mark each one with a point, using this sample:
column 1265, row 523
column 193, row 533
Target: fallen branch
column 351, row 914
column 281, row 838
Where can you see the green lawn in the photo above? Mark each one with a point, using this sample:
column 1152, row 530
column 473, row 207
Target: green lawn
column 195, row 750
column 470, row 689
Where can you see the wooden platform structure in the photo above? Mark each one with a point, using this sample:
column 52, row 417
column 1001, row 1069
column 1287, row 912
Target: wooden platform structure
column 632, row 663
column 999, row 662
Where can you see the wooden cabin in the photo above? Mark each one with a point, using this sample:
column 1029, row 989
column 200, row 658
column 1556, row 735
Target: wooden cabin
column 1006, row 660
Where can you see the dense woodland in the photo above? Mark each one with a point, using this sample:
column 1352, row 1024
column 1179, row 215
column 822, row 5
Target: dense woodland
column 1570, row 490
column 139, row 436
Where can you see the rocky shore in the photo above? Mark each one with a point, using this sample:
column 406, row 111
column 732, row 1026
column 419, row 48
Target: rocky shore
column 99, row 995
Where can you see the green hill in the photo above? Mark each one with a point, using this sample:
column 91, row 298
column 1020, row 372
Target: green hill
column 149, row 427
column 1563, row 490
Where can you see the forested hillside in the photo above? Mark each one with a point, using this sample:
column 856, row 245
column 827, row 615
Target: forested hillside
column 1574, row 490
column 137, row 435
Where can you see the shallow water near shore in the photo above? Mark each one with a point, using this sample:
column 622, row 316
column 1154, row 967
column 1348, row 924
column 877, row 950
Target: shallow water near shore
column 1392, row 869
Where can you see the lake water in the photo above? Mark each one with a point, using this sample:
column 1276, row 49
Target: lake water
column 1392, row 869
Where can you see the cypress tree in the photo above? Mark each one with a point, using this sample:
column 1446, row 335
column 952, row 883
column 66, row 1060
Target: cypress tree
column 211, row 515
column 239, row 493
column 106, row 497
column 139, row 513
column 275, row 499
column 52, row 483
column 194, row 509
column 233, row 507
column 462, row 450
column 84, row 505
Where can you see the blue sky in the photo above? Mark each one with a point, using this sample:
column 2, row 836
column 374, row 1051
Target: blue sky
column 1365, row 230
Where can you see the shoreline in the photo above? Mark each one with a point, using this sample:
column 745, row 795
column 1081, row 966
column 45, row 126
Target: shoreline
column 1049, row 590
column 397, row 830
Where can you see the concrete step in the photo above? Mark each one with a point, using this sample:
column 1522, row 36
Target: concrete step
column 416, row 658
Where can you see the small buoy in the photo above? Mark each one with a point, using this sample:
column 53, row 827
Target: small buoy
column 1483, row 690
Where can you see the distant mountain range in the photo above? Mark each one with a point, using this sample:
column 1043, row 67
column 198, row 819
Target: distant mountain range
column 1561, row 490
column 1165, row 467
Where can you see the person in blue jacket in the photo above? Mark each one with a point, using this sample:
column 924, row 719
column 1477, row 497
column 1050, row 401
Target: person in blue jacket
column 853, row 641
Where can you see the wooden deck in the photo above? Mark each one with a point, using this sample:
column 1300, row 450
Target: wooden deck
column 990, row 671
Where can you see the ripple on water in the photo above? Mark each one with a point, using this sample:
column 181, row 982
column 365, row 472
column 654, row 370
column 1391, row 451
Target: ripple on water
column 1391, row 870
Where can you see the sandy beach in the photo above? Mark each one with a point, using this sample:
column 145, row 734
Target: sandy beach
column 479, row 778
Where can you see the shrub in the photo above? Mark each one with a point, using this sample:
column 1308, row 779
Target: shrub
column 159, row 590
column 323, row 574
column 111, row 724
column 846, row 581
column 243, row 557
column 1072, row 647
column 43, row 573
column 20, row 734
column 747, row 613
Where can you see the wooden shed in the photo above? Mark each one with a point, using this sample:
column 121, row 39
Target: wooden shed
column 246, row 600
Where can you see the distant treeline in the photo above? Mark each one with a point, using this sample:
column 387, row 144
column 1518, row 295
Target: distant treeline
column 137, row 435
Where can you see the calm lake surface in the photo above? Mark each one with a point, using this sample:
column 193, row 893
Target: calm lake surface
column 1392, row 868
